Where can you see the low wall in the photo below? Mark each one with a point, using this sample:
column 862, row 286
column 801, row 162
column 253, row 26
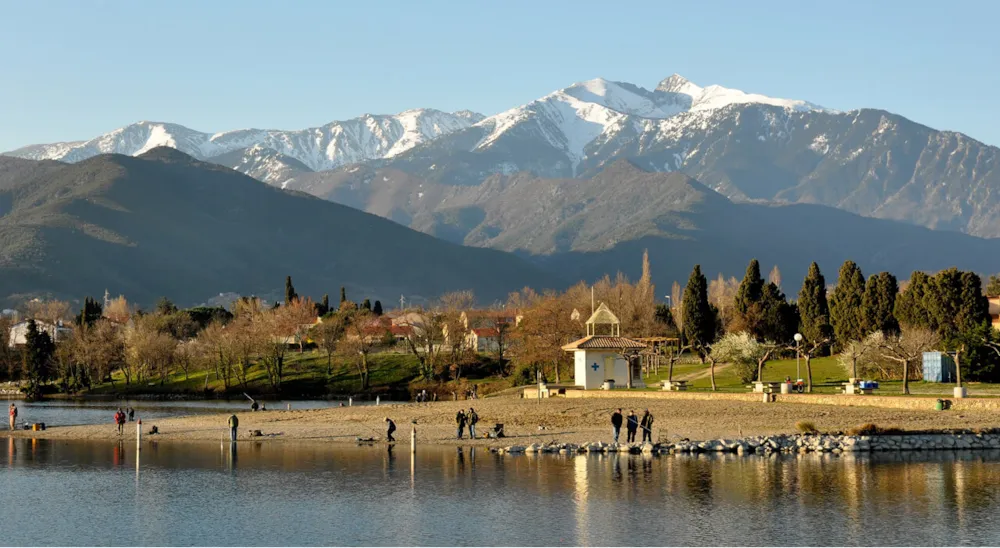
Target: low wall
column 889, row 402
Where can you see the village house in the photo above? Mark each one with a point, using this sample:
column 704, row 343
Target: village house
column 477, row 324
column 483, row 339
column 19, row 331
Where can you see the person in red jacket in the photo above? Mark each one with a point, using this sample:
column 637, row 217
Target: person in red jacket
column 120, row 421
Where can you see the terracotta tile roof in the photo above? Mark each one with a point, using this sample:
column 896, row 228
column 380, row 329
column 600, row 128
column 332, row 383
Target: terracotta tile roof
column 486, row 332
column 604, row 341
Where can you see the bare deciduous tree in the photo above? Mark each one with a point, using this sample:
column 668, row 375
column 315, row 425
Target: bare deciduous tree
column 907, row 349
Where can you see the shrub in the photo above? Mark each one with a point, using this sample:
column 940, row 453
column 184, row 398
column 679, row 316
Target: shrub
column 870, row 429
column 806, row 427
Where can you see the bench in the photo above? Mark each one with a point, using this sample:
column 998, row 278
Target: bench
column 675, row 385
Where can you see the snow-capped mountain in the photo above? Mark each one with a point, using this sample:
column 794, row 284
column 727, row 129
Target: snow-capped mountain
column 364, row 138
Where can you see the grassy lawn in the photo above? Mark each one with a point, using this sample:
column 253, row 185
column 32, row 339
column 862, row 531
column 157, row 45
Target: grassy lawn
column 828, row 378
column 304, row 374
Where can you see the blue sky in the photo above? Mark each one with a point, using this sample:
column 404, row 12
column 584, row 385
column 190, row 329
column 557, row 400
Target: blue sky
column 74, row 69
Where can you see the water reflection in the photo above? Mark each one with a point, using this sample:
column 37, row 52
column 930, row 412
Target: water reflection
column 354, row 495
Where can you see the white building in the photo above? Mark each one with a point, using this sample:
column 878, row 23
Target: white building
column 19, row 332
column 599, row 357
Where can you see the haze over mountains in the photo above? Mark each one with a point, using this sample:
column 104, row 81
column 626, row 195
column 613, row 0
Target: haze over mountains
column 578, row 183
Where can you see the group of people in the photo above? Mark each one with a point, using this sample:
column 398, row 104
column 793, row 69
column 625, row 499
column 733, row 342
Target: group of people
column 632, row 424
column 471, row 419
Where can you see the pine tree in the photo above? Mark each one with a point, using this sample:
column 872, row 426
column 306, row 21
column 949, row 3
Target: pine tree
column 993, row 286
column 377, row 309
column 814, row 311
column 845, row 304
column 699, row 322
column 910, row 309
column 955, row 304
column 749, row 293
column 290, row 295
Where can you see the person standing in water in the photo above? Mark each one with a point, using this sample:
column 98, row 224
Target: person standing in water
column 390, row 428
column 234, row 423
column 12, row 414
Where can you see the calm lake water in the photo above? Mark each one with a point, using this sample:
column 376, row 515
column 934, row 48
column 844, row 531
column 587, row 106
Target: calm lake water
column 282, row 493
column 76, row 412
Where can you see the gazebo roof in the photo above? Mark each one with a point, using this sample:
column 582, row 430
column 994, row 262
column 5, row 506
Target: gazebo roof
column 603, row 316
column 603, row 342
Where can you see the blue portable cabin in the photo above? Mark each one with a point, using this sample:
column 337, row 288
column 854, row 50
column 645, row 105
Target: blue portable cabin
column 939, row 367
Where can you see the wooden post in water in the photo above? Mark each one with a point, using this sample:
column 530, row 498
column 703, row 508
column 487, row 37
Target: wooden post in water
column 289, row 407
column 138, row 433
column 350, row 402
column 413, row 440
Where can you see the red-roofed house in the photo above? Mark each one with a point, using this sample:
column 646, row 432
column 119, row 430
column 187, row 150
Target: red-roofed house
column 483, row 339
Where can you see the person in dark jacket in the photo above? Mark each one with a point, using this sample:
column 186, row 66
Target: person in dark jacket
column 131, row 414
column 473, row 418
column 460, row 421
column 616, row 423
column 647, row 426
column 234, row 423
column 631, row 425
column 390, row 428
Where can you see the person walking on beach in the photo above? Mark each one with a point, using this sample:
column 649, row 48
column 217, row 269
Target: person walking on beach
column 631, row 425
column 616, row 423
column 234, row 423
column 131, row 414
column 473, row 419
column 120, row 421
column 12, row 415
column 647, row 426
column 460, row 421
column 390, row 428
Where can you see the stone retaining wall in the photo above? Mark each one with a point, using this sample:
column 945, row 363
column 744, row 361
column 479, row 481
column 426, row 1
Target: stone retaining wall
column 786, row 443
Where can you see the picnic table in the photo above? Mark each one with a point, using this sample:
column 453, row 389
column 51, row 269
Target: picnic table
column 675, row 385
column 765, row 387
column 859, row 388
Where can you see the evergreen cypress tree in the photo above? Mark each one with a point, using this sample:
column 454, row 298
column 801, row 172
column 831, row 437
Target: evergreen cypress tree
column 343, row 296
column 325, row 304
column 290, row 295
column 778, row 320
column 910, row 309
column 699, row 322
column 38, row 350
column 367, row 305
column 845, row 304
column 377, row 309
column 877, row 304
column 749, row 293
column 814, row 311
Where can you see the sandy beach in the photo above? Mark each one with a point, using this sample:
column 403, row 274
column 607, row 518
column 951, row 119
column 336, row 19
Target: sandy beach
column 563, row 420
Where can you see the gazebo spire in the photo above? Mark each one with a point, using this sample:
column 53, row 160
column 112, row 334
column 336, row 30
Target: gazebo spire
column 604, row 316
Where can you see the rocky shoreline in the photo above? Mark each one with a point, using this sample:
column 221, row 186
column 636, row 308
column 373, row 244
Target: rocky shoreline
column 783, row 443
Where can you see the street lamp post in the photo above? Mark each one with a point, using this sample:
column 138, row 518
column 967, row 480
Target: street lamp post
column 798, row 339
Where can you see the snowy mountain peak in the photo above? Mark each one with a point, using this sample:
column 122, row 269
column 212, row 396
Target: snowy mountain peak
column 676, row 83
